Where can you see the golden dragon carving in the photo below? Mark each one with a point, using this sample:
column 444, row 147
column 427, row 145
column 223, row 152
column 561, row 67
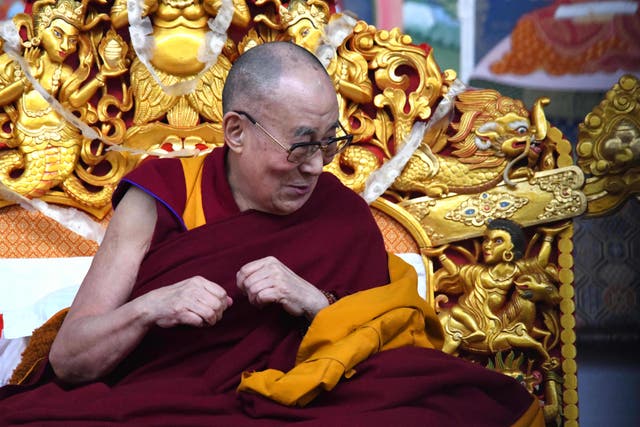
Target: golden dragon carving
column 479, row 149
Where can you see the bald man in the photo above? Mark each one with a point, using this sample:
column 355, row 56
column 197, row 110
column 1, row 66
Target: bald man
column 218, row 268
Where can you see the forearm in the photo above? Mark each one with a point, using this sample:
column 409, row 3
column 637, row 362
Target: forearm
column 545, row 251
column 450, row 266
column 11, row 92
column 90, row 347
column 82, row 96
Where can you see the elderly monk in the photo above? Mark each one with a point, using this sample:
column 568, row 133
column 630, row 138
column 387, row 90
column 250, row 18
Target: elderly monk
column 247, row 287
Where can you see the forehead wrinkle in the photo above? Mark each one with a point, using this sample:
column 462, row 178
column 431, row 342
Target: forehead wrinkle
column 305, row 130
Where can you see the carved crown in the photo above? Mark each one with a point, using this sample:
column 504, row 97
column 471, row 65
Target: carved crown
column 315, row 11
column 45, row 11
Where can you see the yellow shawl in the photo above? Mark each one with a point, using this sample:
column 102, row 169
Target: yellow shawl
column 347, row 333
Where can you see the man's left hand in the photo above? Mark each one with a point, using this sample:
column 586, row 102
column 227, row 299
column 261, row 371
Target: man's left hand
column 268, row 280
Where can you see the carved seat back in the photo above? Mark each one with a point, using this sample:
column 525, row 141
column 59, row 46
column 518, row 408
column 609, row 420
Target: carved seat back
column 438, row 161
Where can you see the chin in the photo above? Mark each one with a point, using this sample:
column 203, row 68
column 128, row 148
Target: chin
column 289, row 207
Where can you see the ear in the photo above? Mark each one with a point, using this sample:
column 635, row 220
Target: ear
column 233, row 127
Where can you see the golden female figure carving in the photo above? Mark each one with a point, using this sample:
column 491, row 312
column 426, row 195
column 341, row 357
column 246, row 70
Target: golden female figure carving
column 500, row 299
column 45, row 147
column 304, row 22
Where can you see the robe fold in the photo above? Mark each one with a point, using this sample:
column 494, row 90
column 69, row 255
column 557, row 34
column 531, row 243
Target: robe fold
column 189, row 376
column 348, row 333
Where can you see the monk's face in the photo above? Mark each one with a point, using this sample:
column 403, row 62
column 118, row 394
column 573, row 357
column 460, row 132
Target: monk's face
column 494, row 245
column 304, row 109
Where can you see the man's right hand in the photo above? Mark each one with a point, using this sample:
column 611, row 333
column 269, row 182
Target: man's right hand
column 195, row 301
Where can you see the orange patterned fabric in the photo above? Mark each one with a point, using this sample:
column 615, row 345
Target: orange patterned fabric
column 542, row 42
column 396, row 237
column 32, row 235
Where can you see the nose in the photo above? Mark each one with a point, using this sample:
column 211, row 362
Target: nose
column 64, row 44
column 313, row 165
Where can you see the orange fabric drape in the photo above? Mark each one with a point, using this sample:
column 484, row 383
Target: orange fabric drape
column 347, row 333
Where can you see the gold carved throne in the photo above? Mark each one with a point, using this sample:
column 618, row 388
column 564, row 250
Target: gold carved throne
column 478, row 186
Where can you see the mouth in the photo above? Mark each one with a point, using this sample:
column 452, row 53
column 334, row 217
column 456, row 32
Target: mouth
column 518, row 145
column 300, row 189
column 536, row 148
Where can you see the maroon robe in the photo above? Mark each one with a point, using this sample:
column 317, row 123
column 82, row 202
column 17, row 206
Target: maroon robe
column 188, row 376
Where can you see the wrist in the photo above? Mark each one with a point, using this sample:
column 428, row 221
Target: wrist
column 140, row 312
column 330, row 296
column 327, row 299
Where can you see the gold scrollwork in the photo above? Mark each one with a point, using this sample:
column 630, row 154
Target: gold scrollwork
column 609, row 148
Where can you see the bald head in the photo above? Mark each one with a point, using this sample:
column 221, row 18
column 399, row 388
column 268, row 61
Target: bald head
column 255, row 76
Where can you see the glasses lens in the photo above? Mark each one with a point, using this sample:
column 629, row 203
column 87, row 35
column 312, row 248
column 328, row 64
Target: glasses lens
column 301, row 153
column 342, row 143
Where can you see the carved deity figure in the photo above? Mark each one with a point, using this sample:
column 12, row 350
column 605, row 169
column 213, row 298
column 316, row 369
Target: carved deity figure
column 179, row 29
column 499, row 299
column 43, row 147
column 174, row 120
column 305, row 22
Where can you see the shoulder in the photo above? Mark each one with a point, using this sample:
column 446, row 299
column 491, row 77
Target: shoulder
column 332, row 199
column 161, row 178
column 156, row 165
column 330, row 188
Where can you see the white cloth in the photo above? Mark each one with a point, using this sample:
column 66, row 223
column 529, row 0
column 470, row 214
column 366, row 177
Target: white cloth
column 418, row 264
column 10, row 353
column 34, row 289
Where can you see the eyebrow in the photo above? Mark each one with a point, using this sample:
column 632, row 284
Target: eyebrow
column 304, row 131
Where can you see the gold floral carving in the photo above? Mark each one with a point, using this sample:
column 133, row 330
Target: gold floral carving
column 477, row 210
column 566, row 202
column 609, row 148
column 548, row 196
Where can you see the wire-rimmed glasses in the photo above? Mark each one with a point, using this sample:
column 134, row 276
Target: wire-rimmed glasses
column 301, row 151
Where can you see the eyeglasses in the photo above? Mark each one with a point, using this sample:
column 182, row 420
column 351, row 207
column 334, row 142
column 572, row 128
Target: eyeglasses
column 301, row 151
